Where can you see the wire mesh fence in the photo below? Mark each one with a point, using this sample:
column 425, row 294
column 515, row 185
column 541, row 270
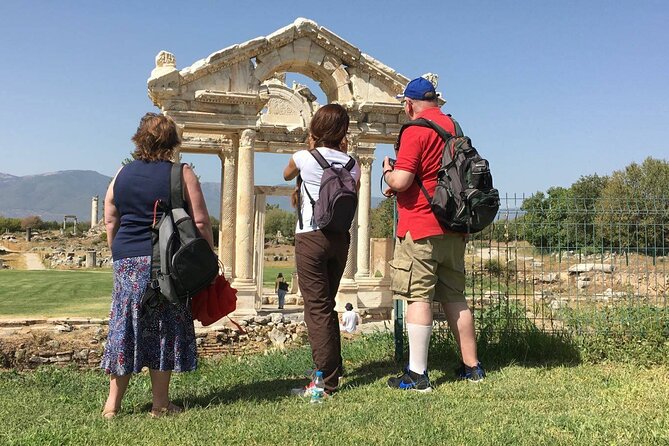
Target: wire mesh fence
column 575, row 264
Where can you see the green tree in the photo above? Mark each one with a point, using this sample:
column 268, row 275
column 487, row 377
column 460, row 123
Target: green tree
column 382, row 219
column 277, row 219
column 10, row 224
column 634, row 208
column 563, row 218
column 32, row 221
column 544, row 221
column 580, row 220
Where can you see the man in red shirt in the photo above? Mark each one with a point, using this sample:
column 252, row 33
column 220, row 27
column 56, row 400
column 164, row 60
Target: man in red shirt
column 428, row 263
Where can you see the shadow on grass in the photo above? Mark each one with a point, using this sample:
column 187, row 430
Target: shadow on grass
column 531, row 348
column 369, row 372
column 262, row 390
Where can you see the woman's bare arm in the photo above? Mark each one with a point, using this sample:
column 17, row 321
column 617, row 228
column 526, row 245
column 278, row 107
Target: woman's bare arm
column 112, row 217
column 291, row 170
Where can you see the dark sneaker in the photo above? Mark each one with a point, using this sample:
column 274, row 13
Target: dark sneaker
column 411, row 381
column 474, row 374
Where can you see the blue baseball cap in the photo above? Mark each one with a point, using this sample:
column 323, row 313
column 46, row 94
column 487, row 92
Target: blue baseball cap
column 420, row 89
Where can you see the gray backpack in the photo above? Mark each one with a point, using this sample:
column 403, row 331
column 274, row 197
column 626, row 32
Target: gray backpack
column 182, row 262
column 337, row 197
column 464, row 199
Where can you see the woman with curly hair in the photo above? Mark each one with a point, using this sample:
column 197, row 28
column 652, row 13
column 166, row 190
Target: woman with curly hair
column 164, row 339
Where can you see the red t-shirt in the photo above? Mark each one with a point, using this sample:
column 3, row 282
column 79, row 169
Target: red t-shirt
column 420, row 153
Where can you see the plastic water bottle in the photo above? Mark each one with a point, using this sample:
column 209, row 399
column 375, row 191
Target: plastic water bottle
column 318, row 390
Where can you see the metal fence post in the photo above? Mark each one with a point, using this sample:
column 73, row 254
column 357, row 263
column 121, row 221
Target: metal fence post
column 398, row 305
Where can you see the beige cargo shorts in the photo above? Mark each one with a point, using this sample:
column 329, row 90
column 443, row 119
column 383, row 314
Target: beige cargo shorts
column 431, row 268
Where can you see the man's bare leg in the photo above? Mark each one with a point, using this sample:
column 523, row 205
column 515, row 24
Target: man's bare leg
column 461, row 322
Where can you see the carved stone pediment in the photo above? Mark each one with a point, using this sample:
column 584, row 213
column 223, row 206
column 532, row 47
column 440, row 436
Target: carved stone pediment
column 245, row 83
column 224, row 97
column 303, row 47
column 381, row 107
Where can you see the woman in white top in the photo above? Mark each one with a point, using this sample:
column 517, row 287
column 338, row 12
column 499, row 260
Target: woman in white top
column 320, row 255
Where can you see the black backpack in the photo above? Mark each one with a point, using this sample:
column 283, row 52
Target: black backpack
column 464, row 199
column 337, row 197
column 182, row 263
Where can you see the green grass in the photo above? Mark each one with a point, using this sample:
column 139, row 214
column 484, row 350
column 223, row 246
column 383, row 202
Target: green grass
column 243, row 400
column 270, row 273
column 55, row 293
column 71, row 293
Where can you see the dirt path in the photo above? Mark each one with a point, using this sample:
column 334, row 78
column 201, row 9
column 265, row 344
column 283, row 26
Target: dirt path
column 33, row 261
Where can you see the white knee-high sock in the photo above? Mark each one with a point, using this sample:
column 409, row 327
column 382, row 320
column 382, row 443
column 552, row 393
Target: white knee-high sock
column 419, row 344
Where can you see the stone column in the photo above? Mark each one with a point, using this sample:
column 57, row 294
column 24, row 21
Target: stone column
column 226, row 241
column 91, row 259
column 364, row 205
column 94, row 211
column 245, row 216
column 349, row 270
column 244, row 226
column 259, row 251
column 348, row 288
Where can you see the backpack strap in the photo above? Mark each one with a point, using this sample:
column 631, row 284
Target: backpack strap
column 298, row 208
column 325, row 164
column 458, row 129
column 176, row 186
column 311, row 200
column 320, row 159
column 443, row 134
column 151, row 296
column 350, row 164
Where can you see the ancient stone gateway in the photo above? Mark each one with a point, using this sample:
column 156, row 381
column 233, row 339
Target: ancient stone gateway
column 235, row 103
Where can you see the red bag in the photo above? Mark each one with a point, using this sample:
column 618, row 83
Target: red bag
column 217, row 300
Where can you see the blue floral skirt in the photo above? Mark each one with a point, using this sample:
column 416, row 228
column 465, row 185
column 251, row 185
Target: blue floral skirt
column 163, row 339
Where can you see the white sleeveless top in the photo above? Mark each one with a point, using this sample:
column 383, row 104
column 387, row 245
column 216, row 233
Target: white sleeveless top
column 311, row 173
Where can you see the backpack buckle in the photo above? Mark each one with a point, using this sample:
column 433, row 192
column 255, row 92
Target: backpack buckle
column 155, row 285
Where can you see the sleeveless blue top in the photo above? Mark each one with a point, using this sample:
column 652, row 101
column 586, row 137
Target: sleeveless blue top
column 138, row 185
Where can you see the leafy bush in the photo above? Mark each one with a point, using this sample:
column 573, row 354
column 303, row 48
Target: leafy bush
column 276, row 220
column 629, row 333
column 382, row 219
column 506, row 335
column 497, row 268
column 10, row 224
column 32, row 221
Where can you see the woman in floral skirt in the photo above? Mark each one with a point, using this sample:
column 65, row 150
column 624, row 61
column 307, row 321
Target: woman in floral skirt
column 163, row 339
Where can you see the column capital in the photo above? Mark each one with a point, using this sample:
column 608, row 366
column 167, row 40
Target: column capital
column 353, row 140
column 365, row 160
column 227, row 154
column 247, row 138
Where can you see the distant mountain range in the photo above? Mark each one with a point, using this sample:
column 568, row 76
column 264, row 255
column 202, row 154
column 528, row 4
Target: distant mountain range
column 69, row 192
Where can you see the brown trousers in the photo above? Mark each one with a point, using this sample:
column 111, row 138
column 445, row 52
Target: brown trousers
column 320, row 258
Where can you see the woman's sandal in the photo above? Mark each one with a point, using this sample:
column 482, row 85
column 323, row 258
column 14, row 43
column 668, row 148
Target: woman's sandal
column 171, row 409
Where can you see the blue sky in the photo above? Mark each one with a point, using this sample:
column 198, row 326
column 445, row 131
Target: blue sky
column 548, row 91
